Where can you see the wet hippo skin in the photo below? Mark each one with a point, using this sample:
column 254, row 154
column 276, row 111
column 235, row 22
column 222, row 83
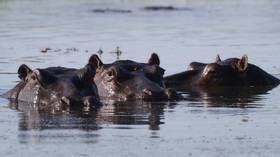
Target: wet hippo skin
column 232, row 72
column 55, row 86
column 129, row 80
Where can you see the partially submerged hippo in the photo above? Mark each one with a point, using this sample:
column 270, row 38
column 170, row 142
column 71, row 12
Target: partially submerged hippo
column 229, row 72
column 55, row 86
column 130, row 80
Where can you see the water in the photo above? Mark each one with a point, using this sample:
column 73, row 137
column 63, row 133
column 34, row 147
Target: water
column 203, row 125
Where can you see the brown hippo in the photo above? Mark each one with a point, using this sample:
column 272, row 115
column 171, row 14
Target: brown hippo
column 130, row 80
column 230, row 72
column 55, row 86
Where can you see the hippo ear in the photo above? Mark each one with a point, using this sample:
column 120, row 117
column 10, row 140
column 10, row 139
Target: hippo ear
column 23, row 71
column 243, row 63
column 86, row 74
column 218, row 59
column 154, row 59
column 95, row 60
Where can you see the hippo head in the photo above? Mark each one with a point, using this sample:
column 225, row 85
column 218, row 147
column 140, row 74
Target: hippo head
column 229, row 72
column 55, row 86
column 200, row 66
column 232, row 72
column 129, row 80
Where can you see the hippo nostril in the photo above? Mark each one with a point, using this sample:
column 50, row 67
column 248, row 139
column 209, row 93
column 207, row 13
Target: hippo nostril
column 147, row 92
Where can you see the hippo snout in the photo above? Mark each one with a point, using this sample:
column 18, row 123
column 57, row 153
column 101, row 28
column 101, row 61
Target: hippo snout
column 165, row 94
column 86, row 101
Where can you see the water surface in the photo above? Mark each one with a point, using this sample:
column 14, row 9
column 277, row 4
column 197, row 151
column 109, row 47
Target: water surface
column 205, row 124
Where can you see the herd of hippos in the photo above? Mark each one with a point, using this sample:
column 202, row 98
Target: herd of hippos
column 125, row 80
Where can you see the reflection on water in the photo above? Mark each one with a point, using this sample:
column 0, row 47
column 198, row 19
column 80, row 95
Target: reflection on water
column 236, row 97
column 134, row 113
column 39, row 117
column 126, row 115
column 115, row 115
column 188, row 123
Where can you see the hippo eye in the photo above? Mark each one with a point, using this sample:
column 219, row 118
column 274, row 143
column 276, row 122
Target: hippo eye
column 135, row 68
column 110, row 73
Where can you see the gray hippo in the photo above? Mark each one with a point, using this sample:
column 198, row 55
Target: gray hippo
column 232, row 72
column 55, row 86
column 129, row 80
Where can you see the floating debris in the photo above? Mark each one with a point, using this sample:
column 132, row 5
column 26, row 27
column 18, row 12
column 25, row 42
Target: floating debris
column 118, row 52
column 108, row 10
column 70, row 50
column 57, row 50
column 99, row 52
column 45, row 50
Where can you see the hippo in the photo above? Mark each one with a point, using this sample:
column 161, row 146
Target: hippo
column 231, row 72
column 129, row 80
column 55, row 86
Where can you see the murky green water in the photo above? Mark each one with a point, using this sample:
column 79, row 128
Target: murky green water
column 203, row 125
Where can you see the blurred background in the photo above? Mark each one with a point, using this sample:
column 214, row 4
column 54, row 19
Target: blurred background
column 194, row 30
